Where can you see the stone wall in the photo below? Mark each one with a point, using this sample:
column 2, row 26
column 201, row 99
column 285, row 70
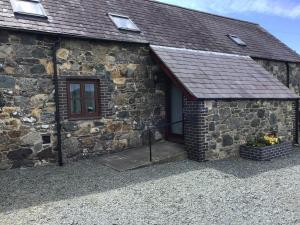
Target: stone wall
column 129, row 99
column 231, row 123
column 295, row 77
column 26, row 100
column 279, row 70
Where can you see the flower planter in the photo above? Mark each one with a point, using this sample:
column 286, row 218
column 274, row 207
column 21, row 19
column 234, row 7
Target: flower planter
column 265, row 153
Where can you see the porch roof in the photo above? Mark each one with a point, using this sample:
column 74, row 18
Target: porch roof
column 211, row 75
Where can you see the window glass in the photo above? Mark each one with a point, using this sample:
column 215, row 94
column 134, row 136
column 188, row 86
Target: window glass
column 28, row 7
column 123, row 22
column 75, row 98
column 90, row 105
column 89, row 90
column 90, row 97
column 237, row 40
column 83, row 99
column 176, row 111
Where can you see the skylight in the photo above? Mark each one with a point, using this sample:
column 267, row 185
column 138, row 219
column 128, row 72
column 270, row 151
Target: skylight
column 123, row 22
column 28, row 7
column 237, row 40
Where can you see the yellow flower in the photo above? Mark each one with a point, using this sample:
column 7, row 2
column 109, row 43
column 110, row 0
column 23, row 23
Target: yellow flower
column 271, row 139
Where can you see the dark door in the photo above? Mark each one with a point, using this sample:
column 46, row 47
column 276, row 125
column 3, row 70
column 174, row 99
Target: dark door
column 175, row 114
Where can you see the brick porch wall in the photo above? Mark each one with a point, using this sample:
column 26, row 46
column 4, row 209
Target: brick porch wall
column 195, row 129
column 215, row 130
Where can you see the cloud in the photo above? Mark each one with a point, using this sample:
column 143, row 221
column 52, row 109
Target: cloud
column 283, row 8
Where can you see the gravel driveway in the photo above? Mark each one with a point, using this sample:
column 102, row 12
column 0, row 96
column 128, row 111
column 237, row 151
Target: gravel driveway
column 186, row 192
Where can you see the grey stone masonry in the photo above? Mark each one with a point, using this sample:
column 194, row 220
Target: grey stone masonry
column 280, row 71
column 26, row 101
column 288, row 73
column 232, row 123
column 129, row 101
column 216, row 129
column 129, row 98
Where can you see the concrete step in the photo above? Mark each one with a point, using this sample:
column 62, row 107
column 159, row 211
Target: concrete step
column 162, row 152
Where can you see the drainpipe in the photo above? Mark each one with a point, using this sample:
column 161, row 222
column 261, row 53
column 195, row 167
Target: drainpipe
column 297, row 122
column 287, row 74
column 296, row 104
column 56, row 99
column 296, row 137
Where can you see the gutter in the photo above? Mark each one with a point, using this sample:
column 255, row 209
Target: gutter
column 56, row 99
column 143, row 41
column 275, row 60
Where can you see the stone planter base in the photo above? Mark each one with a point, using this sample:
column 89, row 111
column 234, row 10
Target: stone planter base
column 265, row 153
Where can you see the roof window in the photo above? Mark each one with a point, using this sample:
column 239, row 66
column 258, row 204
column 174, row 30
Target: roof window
column 123, row 22
column 28, row 7
column 237, row 40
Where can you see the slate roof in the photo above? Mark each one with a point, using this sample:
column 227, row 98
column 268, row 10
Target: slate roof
column 161, row 24
column 211, row 75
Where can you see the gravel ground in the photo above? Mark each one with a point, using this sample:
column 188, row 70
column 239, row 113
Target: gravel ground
column 186, row 192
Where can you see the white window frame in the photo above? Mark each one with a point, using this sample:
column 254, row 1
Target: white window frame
column 29, row 14
column 234, row 37
column 112, row 15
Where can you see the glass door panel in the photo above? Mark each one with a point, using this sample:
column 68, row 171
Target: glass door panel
column 176, row 111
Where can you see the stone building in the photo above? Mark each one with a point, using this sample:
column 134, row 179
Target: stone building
column 89, row 77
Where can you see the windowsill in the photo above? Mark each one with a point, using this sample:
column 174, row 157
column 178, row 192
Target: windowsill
column 84, row 118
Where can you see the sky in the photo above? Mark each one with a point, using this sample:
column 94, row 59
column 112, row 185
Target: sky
column 279, row 17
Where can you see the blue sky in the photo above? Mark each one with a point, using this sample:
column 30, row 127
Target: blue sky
column 280, row 17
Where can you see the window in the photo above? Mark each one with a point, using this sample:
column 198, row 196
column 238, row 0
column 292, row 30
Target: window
column 123, row 23
column 28, row 7
column 237, row 40
column 83, row 98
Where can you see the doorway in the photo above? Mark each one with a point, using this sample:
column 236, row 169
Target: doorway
column 175, row 114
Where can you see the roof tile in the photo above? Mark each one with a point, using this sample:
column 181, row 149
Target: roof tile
column 221, row 79
column 161, row 24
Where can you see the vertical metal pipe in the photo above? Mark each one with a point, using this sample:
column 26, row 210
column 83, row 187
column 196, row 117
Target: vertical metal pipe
column 287, row 74
column 297, row 122
column 150, row 146
column 56, row 98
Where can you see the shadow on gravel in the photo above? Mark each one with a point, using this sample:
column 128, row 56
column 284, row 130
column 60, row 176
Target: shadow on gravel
column 243, row 168
column 31, row 187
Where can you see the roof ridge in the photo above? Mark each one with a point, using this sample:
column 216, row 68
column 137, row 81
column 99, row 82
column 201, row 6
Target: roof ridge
column 198, row 11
